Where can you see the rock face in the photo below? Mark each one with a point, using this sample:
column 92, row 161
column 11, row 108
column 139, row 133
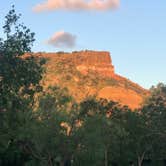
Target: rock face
column 85, row 61
column 92, row 73
column 91, row 58
column 97, row 61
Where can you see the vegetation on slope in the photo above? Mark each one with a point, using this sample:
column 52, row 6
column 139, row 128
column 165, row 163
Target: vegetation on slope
column 62, row 71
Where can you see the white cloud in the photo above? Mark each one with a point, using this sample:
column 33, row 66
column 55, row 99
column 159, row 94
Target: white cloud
column 62, row 39
column 76, row 5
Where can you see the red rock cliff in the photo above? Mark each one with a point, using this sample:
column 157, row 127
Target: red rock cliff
column 96, row 77
column 97, row 61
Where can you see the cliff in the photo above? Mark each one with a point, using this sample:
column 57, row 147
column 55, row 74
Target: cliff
column 99, row 62
column 88, row 73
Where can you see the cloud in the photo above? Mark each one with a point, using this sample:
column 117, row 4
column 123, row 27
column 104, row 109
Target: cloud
column 99, row 5
column 62, row 39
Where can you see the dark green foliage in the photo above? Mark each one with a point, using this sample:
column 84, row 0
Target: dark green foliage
column 19, row 81
column 154, row 111
column 19, row 77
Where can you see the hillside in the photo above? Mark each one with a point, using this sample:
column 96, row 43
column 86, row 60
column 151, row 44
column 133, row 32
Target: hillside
column 90, row 73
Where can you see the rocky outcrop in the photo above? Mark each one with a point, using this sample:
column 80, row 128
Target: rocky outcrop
column 90, row 73
column 85, row 61
column 96, row 61
column 90, row 58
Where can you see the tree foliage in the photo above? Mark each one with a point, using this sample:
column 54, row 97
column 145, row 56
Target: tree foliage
column 19, row 76
column 19, row 81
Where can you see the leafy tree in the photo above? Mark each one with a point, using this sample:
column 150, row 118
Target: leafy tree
column 91, row 147
column 55, row 133
column 154, row 111
column 19, row 76
column 97, row 133
column 19, row 81
column 118, row 142
column 139, row 139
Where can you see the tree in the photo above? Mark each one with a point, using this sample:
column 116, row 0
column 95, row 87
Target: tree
column 118, row 142
column 19, row 76
column 90, row 147
column 154, row 110
column 139, row 140
column 19, row 81
column 55, row 133
column 100, row 134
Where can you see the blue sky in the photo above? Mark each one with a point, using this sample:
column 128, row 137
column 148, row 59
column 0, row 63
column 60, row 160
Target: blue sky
column 134, row 33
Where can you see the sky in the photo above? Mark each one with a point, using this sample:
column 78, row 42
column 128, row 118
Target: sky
column 134, row 32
